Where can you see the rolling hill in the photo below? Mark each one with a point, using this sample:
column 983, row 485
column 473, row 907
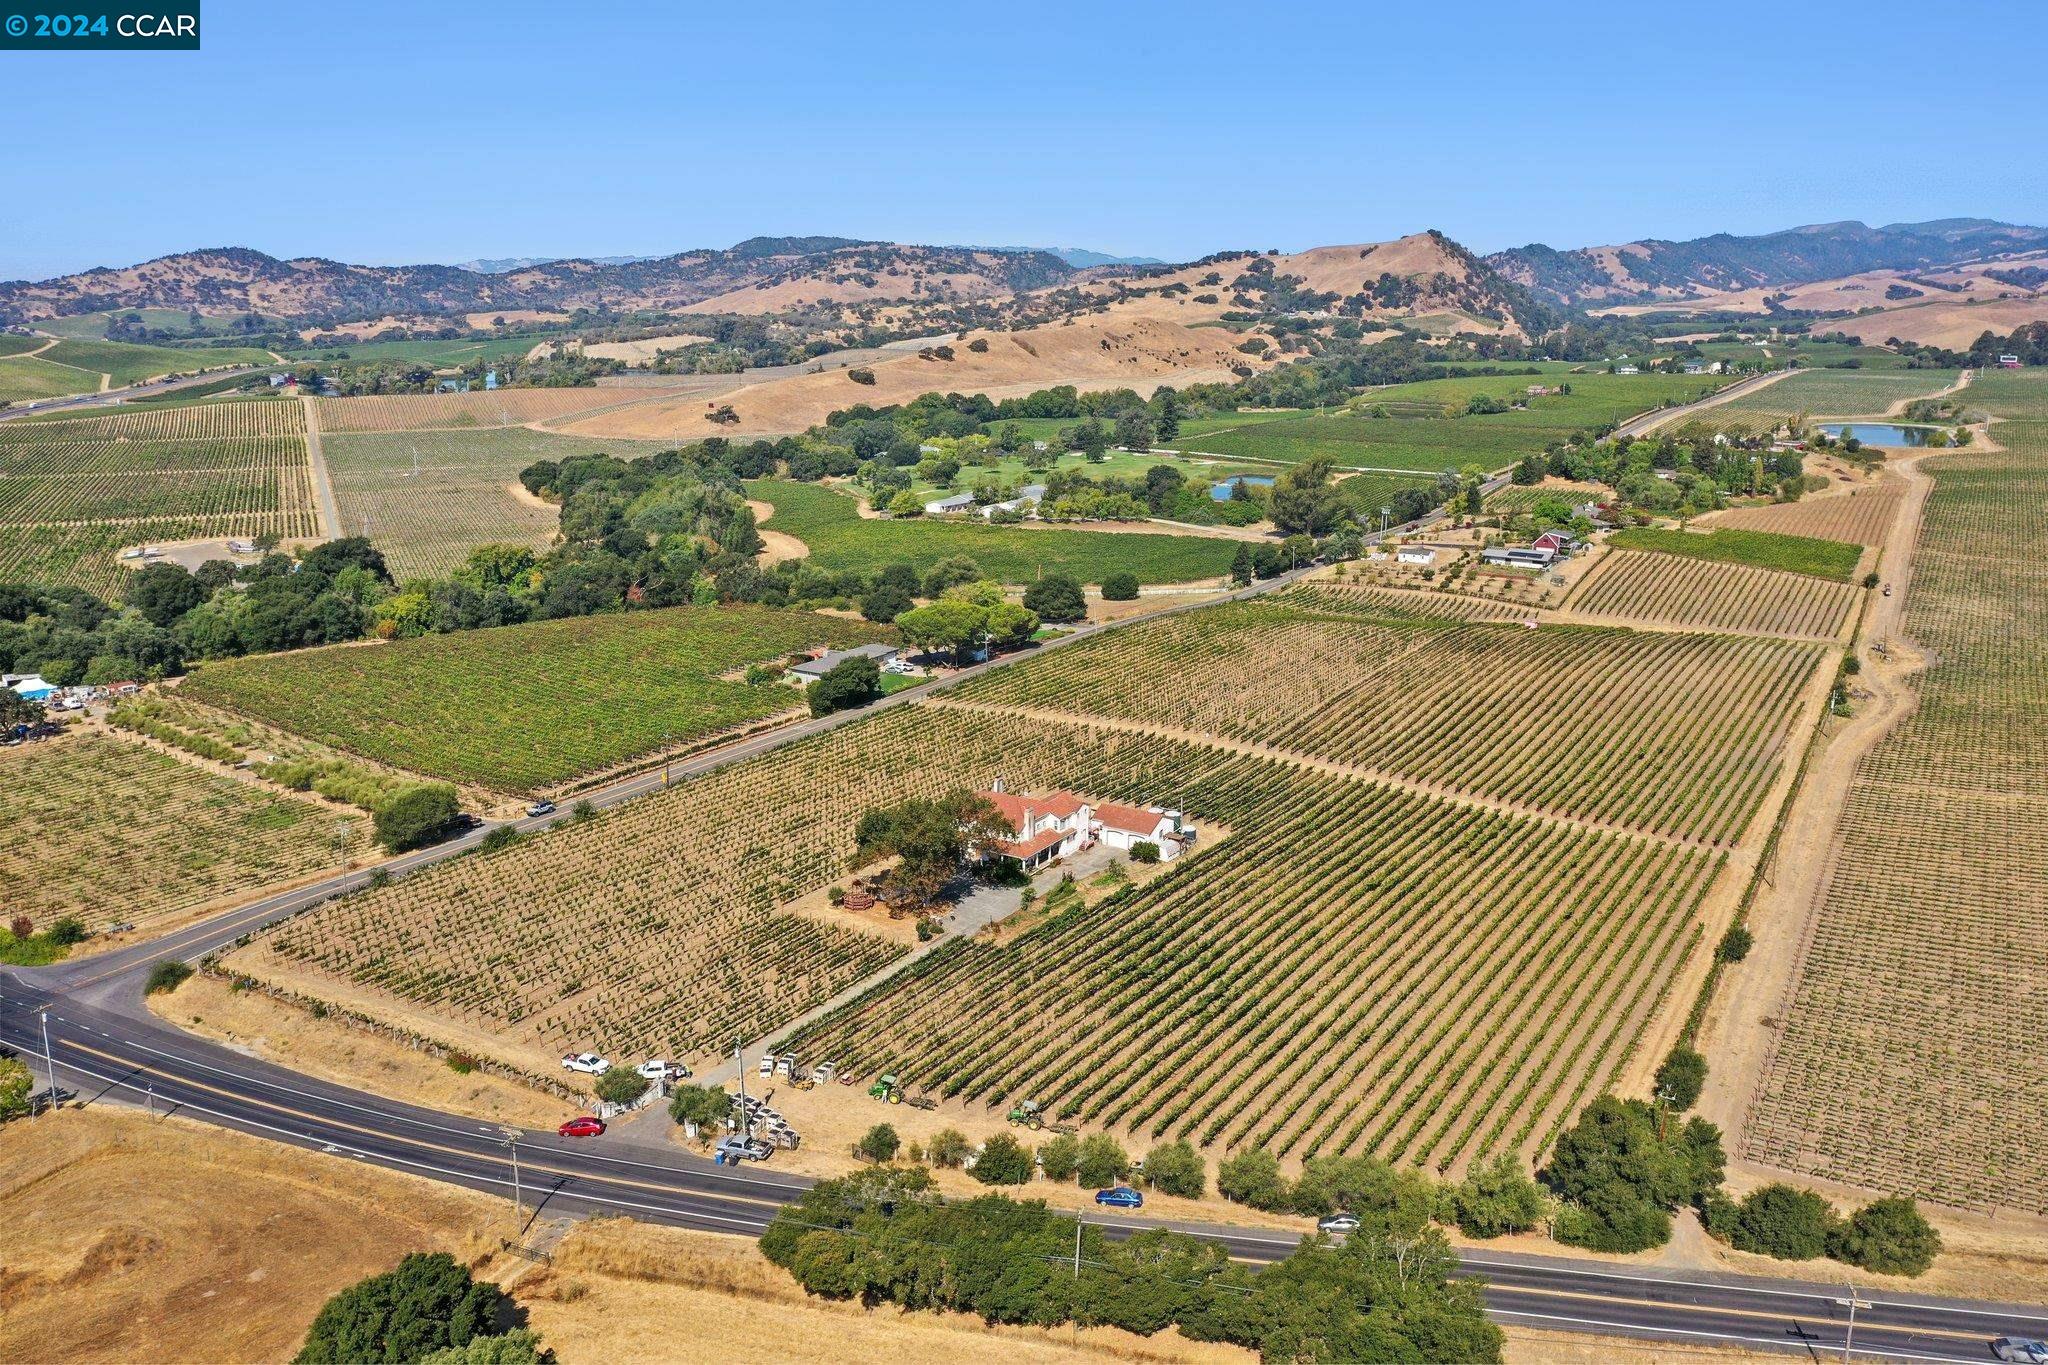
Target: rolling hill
column 1723, row 264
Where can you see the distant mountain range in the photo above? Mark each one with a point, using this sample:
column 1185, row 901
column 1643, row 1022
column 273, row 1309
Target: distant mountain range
column 1722, row 263
column 953, row 286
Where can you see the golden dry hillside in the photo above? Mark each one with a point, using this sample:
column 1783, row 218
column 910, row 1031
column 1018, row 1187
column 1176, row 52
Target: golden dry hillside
column 1093, row 353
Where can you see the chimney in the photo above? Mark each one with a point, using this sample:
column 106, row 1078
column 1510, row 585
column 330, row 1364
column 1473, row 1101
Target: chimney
column 997, row 787
column 1025, row 833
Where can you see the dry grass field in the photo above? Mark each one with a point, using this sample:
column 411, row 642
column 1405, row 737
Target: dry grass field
column 107, row 828
column 131, row 1240
column 1910, row 1056
column 1696, row 594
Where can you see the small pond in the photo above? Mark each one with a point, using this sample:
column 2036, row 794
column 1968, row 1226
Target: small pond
column 1886, row 434
column 1222, row 492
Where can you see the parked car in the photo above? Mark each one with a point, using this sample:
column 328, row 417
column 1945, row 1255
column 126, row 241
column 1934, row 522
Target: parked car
column 585, row 1126
column 662, row 1071
column 588, row 1063
column 2025, row 1350
column 1338, row 1224
column 540, row 808
column 1120, row 1197
column 733, row 1150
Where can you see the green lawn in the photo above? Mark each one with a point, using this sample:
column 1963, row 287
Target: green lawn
column 523, row 708
column 1833, row 559
column 838, row 537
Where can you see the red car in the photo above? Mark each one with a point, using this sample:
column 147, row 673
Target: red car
column 583, row 1127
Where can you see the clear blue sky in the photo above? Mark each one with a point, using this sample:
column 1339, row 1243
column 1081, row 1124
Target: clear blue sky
column 389, row 133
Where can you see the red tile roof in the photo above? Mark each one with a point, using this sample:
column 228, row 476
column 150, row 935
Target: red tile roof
column 1011, row 806
column 1036, row 844
column 1130, row 819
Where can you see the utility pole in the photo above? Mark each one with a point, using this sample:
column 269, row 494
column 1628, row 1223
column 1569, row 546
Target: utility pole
column 1852, row 1303
column 511, row 1141
column 49, row 1062
column 1077, row 1246
column 341, row 829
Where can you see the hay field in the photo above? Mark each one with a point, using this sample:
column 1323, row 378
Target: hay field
column 105, row 827
column 427, row 498
column 1908, row 1061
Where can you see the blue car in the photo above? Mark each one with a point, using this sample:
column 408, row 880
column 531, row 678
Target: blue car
column 1120, row 1197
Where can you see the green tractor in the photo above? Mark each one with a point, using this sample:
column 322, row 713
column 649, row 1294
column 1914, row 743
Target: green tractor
column 1029, row 1114
column 886, row 1090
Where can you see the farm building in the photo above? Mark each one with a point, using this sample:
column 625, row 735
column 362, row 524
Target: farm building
column 1627, row 369
column 2008, row 362
column 1557, row 542
column 811, row 670
column 958, row 502
column 1030, row 493
column 1518, row 557
column 1047, row 827
column 1424, row 555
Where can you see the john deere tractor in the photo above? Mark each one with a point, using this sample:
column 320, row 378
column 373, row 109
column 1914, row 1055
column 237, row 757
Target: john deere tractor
column 1029, row 1114
column 886, row 1090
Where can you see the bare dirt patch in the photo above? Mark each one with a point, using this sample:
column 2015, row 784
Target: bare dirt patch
column 776, row 546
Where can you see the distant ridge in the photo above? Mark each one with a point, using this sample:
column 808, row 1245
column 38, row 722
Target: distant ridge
column 1079, row 257
column 505, row 265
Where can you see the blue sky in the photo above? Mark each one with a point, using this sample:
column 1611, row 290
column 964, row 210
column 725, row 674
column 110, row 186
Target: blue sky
column 389, row 133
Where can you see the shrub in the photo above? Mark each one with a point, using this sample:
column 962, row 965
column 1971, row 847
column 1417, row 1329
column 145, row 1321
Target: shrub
column 1735, row 944
column 69, row 931
column 949, row 1147
column 504, row 836
column 1889, row 1236
column 1060, row 1158
column 1120, row 587
column 1681, row 1077
column 22, row 926
column 1495, row 1198
column 461, row 1063
column 861, row 376
column 1622, row 1173
column 1779, row 1220
column 1144, row 851
column 166, row 975
column 621, row 1085
column 16, row 1084
column 1003, row 1161
column 1176, row 1168
column 1102, row 1160
column 583, row 810
column 1253, row 1178
column 879, row 1143
column 414, row 815
column 427, row 1304
column 851, row 683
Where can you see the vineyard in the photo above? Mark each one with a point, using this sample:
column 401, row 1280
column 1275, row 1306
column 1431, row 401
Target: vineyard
column 1833, row 559
column 109, row 829
column 1421, row 432
column 1702, row 594
column 1358, row 970
column 74, row 492
column 427, row 498
column 1911, row 1058
column 479, row 408
column 1560, row 721
column 1839, row 393
column 1396, row 604
column 830, row 524
column 523, row 708
column 1518, row 498
column 1861, row 516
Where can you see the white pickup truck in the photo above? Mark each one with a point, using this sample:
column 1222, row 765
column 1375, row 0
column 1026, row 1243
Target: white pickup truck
column 588, row 1063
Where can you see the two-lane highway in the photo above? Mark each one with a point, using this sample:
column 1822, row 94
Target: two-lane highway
column 113, row 1056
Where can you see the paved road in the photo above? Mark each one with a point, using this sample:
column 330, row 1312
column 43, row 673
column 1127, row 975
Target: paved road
column 109, row 1056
